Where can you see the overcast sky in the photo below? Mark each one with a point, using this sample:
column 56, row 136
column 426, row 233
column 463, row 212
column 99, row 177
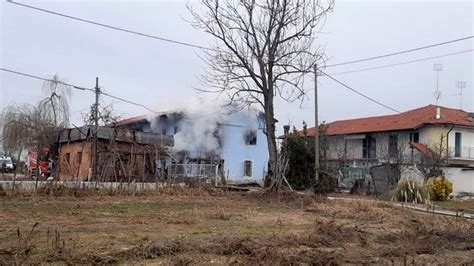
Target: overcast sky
column 162, row 75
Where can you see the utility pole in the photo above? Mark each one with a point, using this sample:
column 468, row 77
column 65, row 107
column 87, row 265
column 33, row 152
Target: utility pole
column 316, row 126
column 96, row 129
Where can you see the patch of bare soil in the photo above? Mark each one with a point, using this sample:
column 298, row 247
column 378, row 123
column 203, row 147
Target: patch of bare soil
column 225, row 228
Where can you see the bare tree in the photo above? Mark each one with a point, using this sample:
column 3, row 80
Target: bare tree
column 56, row 104
column 16, row 130
column 106, row 115
column 33, row 126
column 431, row 161
column 26, row 127
column 263, row 51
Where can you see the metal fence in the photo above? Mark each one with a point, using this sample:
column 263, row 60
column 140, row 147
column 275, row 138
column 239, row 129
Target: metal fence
column 462, row 152
column 194, row 170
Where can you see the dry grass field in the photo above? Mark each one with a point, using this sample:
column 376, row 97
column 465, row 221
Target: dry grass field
column 199, row 226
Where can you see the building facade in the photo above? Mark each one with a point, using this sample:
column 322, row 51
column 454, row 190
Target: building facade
column 407, row 138
column 122, row 155
column 230, row 148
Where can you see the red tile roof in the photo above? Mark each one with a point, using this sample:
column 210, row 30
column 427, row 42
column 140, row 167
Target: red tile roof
column 412, row 119
column 423, row 149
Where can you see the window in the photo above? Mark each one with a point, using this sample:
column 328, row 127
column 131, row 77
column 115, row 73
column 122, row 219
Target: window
column 457, row 144
column 68, row 157
column 414, row 137
column 393, row 146
column 79, row 158
column 248, row 168
column 369, row 149
column 251, row 137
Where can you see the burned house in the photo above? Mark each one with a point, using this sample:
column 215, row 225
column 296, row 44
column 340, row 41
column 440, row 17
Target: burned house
column 122, row 154
column 229, row 147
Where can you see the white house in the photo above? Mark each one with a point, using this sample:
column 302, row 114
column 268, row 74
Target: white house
column 431, row 129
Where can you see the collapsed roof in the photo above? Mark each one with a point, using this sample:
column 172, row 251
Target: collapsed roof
column 120, row 135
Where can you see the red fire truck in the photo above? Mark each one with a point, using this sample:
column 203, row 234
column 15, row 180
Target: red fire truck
column 45, row 164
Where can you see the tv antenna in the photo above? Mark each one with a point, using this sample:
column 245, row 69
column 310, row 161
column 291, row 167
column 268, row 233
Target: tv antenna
column 461, row 86
column 437, row 93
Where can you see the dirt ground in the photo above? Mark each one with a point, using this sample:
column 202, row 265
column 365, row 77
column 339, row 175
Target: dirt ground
column 195, row 226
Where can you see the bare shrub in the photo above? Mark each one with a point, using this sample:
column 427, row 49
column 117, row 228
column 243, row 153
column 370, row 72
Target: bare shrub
column 57, row 189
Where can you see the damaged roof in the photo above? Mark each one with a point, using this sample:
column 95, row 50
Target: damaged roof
column 411, row 119
column 121, row 135
column 144, row 118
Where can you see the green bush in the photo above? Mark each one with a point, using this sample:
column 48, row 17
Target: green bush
column 439, row 188
column 411, row 191
column 300, row 153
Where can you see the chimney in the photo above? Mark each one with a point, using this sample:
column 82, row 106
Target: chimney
column 438, row 112
column 286, row 130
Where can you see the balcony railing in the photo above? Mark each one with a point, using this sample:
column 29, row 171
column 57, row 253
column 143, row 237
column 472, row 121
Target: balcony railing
column 462, row 152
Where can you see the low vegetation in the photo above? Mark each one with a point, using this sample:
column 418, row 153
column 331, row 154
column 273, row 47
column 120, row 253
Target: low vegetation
column 202, row 226
column 411, row 191
column 439, row 188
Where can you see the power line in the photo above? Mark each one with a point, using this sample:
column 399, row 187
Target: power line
column 113, row 27
column 215, row 50
column 401, row 63
column 76, row 87
column 44, row 79
column 401, row 52
column 360, row 93
column 130, row 102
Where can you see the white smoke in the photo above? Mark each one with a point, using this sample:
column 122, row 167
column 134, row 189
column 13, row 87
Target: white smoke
column 198, row 129
column 199, row 124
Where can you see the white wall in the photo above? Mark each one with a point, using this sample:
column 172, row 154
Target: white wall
column 354, row 146
column 463, row 180
column 467, row 140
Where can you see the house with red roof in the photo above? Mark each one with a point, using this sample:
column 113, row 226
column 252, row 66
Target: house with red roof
column 424, row 131
column 407, row 138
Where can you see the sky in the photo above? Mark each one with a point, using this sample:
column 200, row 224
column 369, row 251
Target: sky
column 163, row 76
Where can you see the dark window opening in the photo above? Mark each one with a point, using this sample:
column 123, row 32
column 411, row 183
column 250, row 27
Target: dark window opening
column 414, row 137
column 79, row 158
column 251, row 137
column 457, row 144
column 248, row 168
column 68, row 157
column 369, row 147
column 393, row 146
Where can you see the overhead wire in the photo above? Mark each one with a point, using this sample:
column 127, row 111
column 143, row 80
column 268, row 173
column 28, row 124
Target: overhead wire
column 210, row 49
column 216, row 50
column 401, row 52
column 45, row 79
column 77, row 87
column 113, row 27
column 360, row 93
column 402, row 63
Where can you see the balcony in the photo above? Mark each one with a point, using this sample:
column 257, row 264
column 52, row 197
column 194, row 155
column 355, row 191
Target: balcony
column 462, row 152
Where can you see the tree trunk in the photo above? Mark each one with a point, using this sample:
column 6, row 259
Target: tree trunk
column 17, row 161
column 271, row 140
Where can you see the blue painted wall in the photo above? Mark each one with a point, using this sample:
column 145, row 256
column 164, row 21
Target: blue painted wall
column 233, row 148
column 235, row 151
